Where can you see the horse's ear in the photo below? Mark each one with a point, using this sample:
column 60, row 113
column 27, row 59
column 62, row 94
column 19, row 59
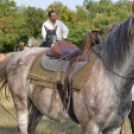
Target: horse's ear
column 132, row 9
column 55, row 29
column 46, row 28
column 96, row 30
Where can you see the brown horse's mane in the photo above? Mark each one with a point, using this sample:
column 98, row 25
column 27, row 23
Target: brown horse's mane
column 117, row 45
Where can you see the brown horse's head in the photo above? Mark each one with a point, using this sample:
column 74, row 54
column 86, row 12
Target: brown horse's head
column 89, row 40
column 96, row 36
column 110, row 28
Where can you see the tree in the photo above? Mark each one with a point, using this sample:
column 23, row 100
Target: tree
column 63, row 13
column 19, row 23
column 105, row 12
column 34, row 18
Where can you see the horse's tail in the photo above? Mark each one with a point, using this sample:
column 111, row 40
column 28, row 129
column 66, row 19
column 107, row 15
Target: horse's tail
column 3, row 69
column 3, row 79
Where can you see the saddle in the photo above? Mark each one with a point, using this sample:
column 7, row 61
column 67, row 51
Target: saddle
column 61, row 48
column 51, row 64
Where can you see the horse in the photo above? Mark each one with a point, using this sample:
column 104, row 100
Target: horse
column 110, row 28
column 51, row 37
column 104, row 102
column 37, row 51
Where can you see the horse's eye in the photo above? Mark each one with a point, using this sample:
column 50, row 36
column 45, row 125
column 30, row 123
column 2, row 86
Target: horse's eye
column 48, row 36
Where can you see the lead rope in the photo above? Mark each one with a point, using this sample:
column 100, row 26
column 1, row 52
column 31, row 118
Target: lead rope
column 99, row 53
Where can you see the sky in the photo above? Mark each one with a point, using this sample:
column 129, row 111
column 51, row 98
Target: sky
column 45, row 3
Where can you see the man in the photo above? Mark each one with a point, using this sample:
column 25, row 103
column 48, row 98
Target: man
column 131, row 115
column 30, row 43
column 62, row 30
column 21, row 47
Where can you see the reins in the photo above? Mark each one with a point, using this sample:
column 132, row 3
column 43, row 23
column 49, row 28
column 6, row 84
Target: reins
column 99, row 53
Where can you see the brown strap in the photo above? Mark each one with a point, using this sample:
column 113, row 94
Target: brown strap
column 70, row 81
column 55, row 84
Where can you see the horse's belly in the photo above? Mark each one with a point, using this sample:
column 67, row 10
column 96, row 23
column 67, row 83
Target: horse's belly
column 42, row 99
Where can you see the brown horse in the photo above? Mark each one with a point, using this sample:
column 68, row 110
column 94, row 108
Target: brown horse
column 110, row 28
column 103, row 103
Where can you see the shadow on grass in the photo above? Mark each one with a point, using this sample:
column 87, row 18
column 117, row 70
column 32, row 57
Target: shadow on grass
column 8, row 130
column 46, row 126
column 9, row 126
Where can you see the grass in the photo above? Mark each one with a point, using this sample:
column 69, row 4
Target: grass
column 9, row 126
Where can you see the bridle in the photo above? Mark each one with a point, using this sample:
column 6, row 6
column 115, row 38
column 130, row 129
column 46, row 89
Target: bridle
column 49, row 38
column 99, row 53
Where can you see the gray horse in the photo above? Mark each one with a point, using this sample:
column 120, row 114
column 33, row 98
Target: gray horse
column 103, row 103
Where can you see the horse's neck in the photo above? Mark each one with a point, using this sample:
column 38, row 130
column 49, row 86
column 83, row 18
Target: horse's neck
column 86, row 47
column 119, row 74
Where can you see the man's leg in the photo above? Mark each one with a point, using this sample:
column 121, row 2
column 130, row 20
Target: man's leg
column 131, row 117
column 43, row 44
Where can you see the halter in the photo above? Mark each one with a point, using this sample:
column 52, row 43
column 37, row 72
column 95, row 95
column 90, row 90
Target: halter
column 91, row 35
column 51, row 32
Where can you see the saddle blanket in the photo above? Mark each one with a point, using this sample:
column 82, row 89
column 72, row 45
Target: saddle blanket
column 39, row 76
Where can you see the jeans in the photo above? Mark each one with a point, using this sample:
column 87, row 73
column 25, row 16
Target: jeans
column 131, row 118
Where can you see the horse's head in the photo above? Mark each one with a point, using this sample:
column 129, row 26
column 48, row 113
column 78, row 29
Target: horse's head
column 91, row 39
column 110, row 28
column 51, row 37
column 96, row 36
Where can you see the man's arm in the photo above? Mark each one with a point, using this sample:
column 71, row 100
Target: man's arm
column 43, row 32
column 65, row 31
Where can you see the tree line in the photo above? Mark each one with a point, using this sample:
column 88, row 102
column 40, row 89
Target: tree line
column 20, row 23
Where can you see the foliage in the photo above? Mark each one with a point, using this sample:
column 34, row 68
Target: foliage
column 20, row 23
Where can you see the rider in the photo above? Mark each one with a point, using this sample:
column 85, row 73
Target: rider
column 62, row 30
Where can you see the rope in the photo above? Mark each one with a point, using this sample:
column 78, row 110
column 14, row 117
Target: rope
column 124, row 77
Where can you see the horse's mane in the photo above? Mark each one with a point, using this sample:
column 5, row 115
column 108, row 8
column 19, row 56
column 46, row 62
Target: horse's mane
column 116, row 46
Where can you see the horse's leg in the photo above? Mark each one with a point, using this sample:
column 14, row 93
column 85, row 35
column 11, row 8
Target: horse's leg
column 22, row 116
column 34, row 118
column 90, row 129
column 29, row 105
column 121, row 130
column 21, row 103
column 131, row 117
column 115, row 131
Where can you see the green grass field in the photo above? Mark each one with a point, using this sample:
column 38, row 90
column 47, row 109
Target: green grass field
column 9, row 126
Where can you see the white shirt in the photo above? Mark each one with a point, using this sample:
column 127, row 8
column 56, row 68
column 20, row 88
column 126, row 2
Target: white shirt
column 62, row 30
column 133, row 93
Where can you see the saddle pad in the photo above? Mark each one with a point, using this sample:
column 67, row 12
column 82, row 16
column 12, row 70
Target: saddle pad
column 52, row 64
column 41, row 77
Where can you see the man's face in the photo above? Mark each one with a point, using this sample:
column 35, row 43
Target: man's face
column 22, row 43
column 53, row 17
